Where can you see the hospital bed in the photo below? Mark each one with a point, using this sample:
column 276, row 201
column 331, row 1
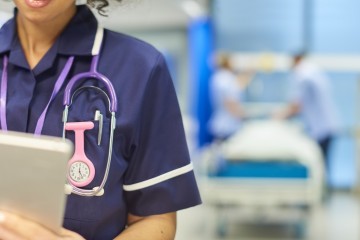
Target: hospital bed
column 270, row 169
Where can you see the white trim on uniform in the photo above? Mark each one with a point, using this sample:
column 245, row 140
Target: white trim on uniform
column 98, row 40
column 158, row 179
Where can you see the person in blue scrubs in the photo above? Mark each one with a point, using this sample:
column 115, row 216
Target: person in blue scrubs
column 227, row 93
column 311, row 98
column 151, row 176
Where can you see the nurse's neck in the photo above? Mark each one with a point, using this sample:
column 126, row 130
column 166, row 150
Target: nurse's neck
column 37, row 38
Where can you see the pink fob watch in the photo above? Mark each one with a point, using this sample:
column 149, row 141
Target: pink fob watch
column 81, row 170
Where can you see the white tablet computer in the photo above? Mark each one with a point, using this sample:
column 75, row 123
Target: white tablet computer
column 33, row 175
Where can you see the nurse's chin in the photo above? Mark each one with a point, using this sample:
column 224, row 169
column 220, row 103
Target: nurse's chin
column 40, row 18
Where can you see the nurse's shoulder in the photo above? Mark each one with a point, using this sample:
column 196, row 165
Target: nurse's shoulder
column 131, row 50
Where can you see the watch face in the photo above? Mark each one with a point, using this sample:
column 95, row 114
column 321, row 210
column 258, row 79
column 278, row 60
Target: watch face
column 79, row 171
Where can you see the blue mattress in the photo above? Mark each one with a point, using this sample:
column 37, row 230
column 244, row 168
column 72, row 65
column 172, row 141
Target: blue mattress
column 263, row 169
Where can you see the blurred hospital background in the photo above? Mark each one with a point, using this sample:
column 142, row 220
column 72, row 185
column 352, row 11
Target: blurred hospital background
column 268, row 180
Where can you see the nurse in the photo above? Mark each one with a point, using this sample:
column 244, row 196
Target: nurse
column 311, row 98
column 150, row 177
column 227, row 93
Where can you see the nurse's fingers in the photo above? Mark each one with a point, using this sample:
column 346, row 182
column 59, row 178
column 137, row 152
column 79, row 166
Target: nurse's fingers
column 19, row 228
column 66, row 234
column 6, row 235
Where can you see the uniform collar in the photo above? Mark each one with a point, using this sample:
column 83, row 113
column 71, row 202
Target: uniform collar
column 83, row 26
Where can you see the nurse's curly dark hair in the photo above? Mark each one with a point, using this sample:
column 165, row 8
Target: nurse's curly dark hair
column 100, row 5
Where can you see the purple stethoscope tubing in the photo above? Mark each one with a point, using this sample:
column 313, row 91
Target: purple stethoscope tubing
column 92, row 74
column 3, row 94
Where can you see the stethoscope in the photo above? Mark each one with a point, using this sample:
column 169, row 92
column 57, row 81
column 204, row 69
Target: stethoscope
column 81, row 170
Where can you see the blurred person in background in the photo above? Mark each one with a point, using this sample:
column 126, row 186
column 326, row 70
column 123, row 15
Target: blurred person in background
column 312, row 100
column 226, row 93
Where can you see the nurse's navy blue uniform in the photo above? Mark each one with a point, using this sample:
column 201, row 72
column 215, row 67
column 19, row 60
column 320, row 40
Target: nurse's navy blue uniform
column 150, row 170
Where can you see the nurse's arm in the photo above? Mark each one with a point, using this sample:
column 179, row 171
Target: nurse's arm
column 234, row 108
column 160, row 227
column 290, row 110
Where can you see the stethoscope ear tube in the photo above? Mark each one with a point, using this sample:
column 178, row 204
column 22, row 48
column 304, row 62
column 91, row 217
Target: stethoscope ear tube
column 77, row 92
column 92, row 74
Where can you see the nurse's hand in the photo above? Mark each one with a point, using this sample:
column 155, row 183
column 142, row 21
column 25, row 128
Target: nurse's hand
column 13, row 227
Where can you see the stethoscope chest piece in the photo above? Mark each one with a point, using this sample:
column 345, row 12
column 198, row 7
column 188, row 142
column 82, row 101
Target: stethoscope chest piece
column 81, row 170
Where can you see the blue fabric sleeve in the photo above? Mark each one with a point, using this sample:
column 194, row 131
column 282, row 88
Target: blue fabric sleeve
column 159, row 177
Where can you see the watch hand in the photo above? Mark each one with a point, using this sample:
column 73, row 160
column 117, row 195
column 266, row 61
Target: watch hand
column 80, row 172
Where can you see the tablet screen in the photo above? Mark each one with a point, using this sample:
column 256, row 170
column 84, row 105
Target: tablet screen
column 33, row 175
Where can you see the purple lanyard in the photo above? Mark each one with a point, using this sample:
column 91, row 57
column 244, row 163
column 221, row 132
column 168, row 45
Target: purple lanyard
column 4, row 80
